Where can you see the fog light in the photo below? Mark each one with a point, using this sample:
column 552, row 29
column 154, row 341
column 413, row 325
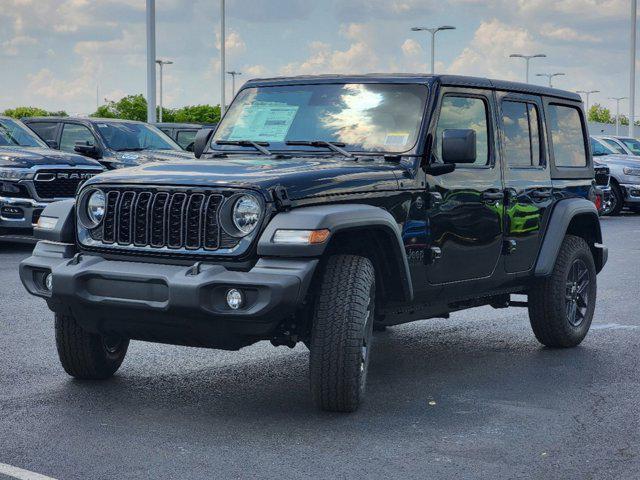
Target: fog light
column 48, row 281
column 235, row 299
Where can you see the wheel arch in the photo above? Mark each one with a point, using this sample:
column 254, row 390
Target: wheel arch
column 355, row 229
column 572, row 216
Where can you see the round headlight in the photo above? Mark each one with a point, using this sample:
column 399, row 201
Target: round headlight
column 95, row 207
column 246, row 214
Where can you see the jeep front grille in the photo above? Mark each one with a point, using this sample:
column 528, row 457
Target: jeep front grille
column 50, row 184
column 160, row 219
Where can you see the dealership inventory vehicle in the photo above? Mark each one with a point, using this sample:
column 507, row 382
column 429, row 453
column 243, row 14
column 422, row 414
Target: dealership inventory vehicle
column 114, row 143
column 323, row 207
column 184, row 134
column 31, row 176
column 625, row 176
column 621, row 145
column 602, row 175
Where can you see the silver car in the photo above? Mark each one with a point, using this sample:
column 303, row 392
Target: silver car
column 625, row 175
column 621, row 145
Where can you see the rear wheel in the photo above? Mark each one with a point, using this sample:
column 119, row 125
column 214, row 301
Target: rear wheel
column 86, row 355
column 342, row 333
column 561, row 306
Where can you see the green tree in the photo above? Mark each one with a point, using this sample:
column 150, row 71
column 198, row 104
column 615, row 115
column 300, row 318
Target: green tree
column 131, row 107
column 20, row 112
column 198, row 114
column 600, row 114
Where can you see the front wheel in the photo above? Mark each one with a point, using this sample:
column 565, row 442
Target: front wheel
column 85, row 355
column 616, row 200
column 561, row 306
column 342, row 333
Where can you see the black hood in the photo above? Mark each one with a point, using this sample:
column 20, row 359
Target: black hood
column 25, row 157
column 302, row 176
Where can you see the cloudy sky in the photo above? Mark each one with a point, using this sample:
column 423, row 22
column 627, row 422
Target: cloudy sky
column 54, row 52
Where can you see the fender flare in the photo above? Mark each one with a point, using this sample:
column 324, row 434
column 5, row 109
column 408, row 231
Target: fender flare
column 561, row 216
column 336, row 219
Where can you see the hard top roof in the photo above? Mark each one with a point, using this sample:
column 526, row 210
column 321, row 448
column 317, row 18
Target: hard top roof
column 453, row 80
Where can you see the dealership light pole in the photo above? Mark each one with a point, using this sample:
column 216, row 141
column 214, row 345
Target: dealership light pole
column 618, row 100
column 527, row 59
column 550, row 76
column 223, row 102
column 162, row 63
column 151, row 61
column 587, row 94
column 234, row 74
column 632, row 76
column 433, row 32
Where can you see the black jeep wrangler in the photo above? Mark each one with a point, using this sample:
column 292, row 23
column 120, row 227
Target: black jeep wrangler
column 324, row 208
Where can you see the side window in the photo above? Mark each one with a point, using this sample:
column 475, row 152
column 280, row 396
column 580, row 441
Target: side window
column 597, row 149
column 520, row 126
column 73, row 133
column 186, row 138
column 47, row 131
column 464, row 113
column 615, row 146
column 567, row 136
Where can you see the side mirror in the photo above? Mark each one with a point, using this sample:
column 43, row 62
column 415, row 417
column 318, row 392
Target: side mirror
column 87, row 149
column 53, row 144
column 201, row 142
column 459, row 146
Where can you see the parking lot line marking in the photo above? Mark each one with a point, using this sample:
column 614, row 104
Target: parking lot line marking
column 612, row 326
column 21, row 473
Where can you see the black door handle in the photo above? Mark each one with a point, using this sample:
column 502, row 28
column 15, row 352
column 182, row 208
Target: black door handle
column 541, row 195
column 492, row 196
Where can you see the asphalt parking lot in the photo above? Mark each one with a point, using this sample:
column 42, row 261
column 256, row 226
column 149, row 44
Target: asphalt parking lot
column 470, row 397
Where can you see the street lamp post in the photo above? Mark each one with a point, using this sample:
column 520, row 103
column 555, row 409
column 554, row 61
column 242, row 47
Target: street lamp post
column 234, row 74
column 550, row 76
column 433, row 32
column 587, row 94
column 151, row 58
column 618, row 100
column 162, row 63
column 527, row 59
column 632, row 76
column 223, row 59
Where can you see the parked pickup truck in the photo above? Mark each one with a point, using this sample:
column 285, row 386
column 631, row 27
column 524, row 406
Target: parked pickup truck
column 31, row 176
column 323, row 208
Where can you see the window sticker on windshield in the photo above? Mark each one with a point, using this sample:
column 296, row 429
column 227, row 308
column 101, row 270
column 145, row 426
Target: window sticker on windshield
column 396, row 139
column 264, row 121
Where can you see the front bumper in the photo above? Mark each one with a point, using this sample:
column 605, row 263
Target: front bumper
column 631, row 192
column 19, row 213
column 168, row 303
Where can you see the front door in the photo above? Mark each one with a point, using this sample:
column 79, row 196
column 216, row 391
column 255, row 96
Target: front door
column 527, row 179
column 466, row 205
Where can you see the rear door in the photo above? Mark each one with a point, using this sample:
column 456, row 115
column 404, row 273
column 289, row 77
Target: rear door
column 527, row 178
column 466, row 205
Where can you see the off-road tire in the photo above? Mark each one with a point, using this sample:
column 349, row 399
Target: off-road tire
column 618, row 197
column 342, row 332
column 549, row 309
column 85, row 355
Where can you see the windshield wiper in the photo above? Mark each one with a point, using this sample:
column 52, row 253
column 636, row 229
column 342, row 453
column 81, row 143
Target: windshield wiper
column 260, row 146
column 335, row 146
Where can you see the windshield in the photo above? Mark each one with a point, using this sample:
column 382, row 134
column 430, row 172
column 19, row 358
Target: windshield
column 124, row 136
column 14, row 133
column 361, row 117
column 632, row 144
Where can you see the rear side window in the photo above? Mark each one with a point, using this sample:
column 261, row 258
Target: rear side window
column 520, row 126
column 45, row 130
column 186, row 137
column 567, row 136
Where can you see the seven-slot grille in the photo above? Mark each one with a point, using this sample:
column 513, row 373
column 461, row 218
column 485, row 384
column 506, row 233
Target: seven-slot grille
column 50, row 184
column 180, row 220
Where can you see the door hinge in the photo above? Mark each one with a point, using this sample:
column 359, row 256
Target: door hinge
column 281, row 198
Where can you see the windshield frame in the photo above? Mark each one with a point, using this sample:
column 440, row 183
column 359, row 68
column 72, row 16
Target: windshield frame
column 151, row 127
column 29, row 133
column 313, row 151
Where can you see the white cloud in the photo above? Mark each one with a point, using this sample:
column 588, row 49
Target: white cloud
column 13, row 45
column 555, row 32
